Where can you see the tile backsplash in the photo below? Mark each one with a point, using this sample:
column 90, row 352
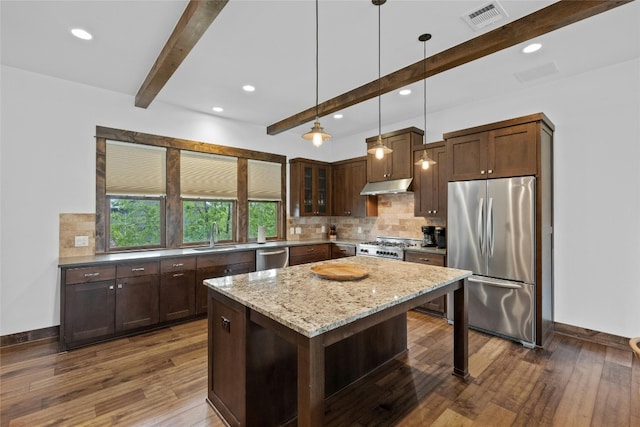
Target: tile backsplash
column 72, row 225
column 395, row 218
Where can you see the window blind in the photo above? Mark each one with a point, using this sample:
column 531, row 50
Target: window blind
column 135, row 170
column 208, row 176
column 264, row 180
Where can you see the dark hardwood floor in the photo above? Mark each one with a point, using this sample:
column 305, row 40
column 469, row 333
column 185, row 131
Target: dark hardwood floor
column 159, row 379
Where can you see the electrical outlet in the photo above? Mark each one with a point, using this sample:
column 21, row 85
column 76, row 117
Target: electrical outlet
column 292, row 230
column 323, row 229
column 82, row 241
column 359, row 230
column 298, row 230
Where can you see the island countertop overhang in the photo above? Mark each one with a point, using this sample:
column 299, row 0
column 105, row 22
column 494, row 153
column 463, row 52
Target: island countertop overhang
column 296, row 298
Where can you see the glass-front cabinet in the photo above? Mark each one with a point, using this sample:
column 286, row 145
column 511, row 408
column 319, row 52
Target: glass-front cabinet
column 310, row 184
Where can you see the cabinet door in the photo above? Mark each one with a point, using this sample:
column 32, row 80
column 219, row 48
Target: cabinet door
column 136, row 302
column 399, row 164
column 430, row 185
column 361, row 206
column 89, row 310
column 321, row 194
column 308, row 195
column 341, row 185
column 467, row 157
column 177, row 295
column 512, row 151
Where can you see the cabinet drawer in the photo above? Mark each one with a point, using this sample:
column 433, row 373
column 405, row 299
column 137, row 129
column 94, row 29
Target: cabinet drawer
column 177, row 264
column 307, row 250
column 425, row 258
column 136, row 269
column 339, row 250
column 90, row 274
column 212, row 260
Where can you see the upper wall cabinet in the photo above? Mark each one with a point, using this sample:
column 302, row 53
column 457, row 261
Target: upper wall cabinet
column 430, row 185
column 497, row 150
column 349, row 177
column 395, row 165
column 310, row 184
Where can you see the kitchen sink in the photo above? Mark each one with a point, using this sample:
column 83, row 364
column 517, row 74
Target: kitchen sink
column 215, row 248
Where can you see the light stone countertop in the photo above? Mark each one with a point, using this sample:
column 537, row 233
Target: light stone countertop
column 296, row 298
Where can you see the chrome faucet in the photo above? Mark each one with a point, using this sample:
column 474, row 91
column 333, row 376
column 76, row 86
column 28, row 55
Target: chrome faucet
column 214, row 233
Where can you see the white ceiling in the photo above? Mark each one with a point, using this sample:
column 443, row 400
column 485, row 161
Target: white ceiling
column 271, row 45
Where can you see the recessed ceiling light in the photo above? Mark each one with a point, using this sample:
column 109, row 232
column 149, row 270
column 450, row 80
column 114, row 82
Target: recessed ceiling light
column 530, row 48
column 248, row 88
column 405, row 92
column 337, row 116
column 218, row 109
column 81, row 34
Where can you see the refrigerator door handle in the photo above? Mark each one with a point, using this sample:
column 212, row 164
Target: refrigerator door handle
column 495, row 282
column 490, row 225
column 480, row 226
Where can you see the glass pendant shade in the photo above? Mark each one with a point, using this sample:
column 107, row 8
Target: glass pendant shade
column 379, row 150
column 425, row 161
column 317, row 135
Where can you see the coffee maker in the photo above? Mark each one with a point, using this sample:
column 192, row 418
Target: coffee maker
column 428, row 236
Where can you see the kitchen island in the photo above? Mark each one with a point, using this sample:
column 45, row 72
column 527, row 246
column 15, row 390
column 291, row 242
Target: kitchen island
column 282, row 340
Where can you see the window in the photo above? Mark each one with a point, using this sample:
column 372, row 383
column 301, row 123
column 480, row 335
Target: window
column 264, row 188
column 135, row 189
column 209, row 189
column 161, row 192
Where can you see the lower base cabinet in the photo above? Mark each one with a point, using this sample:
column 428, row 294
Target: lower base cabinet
column 305, row 254
column 436, row 306
column 177, row 288
column 342, row 250
column 91, row 311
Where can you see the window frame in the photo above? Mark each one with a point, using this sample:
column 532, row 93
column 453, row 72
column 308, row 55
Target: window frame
column 172, row 212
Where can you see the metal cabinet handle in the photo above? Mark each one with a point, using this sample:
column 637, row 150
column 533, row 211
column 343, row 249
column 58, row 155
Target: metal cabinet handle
column 424, row 259
column 137, row 269
column 180, row 264
column 119, row 285
column 178, row 275
column 490, row 170
column 435, row 212
column 225, row 324
column 482, row 172
column 343, row 250
column 96, row 274
column 310, row 250
column 110, row 287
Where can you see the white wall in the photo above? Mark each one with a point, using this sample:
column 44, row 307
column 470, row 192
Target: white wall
column 47, row 167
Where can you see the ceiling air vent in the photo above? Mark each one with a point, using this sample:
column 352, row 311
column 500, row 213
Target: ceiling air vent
column 484, row 16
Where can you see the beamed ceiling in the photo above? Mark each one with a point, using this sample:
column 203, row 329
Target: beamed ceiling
column 197, row 55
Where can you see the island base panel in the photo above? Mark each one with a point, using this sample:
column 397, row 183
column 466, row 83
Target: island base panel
column 269, row 364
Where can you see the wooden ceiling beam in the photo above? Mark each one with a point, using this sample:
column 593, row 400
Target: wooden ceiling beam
column 196, row 18
column 550, row 18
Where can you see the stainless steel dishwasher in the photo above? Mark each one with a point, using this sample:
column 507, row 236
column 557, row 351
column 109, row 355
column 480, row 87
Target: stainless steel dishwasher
column 266, row 259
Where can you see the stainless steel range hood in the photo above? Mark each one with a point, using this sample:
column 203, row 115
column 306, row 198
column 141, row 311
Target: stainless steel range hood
column 387, row 187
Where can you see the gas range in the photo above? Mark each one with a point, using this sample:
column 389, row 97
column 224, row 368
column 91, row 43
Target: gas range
column 386, row 247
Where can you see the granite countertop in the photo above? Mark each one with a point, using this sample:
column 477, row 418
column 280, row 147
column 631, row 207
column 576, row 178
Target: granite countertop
column 152, row 255
column 296, row 298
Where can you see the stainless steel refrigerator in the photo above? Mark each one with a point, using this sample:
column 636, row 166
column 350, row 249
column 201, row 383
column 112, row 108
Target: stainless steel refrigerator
column 491, row 231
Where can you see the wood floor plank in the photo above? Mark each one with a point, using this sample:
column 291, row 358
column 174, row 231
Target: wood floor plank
column 159, row 379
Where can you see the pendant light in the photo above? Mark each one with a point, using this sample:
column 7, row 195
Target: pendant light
column 425, row 161
column 317, row 135
column 379, row 150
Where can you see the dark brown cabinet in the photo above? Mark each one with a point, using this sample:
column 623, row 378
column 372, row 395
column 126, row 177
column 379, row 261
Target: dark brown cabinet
column 90, row 298
column 349, row 178
column 310, row 185
column 220, row 265
column 309, row 253
column 506, row 151
column 395, row 165
column 177, row 288
column 438, row 305
column 137, row 288
column 430, row 185
column 341, row 250
column 103, row 301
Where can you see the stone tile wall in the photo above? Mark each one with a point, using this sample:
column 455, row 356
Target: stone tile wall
column 72, row 225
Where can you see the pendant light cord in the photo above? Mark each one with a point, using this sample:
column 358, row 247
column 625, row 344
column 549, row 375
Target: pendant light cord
column 424, row 70
column 379, row 82
column 317, row 56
